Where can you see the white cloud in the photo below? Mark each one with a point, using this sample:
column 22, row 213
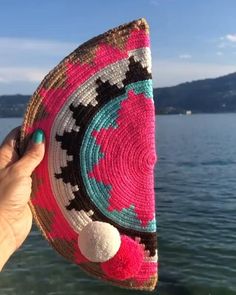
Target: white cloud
column 185, row 56
column 221, row 45
column 154, row 2
column 18, row 52
column 227, row 41
column 35, row 45
column 230, row 37
column 24, row 62
column 169, row 73
column 2, row 80
column 26, row 74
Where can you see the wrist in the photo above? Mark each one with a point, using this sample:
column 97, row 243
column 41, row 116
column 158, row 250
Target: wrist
column 7, row 244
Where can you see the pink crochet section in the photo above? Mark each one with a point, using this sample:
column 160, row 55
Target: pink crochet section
column 53, row 101
column 127, row 261
column 129, row 157
column 141, row 170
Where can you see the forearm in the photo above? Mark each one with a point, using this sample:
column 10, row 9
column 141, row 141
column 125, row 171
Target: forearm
column 6, row 243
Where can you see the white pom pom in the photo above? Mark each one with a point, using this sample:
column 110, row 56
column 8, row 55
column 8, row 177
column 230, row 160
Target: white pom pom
column 99, row 241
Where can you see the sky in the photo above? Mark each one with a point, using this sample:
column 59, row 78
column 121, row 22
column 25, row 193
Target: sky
column 190, row 40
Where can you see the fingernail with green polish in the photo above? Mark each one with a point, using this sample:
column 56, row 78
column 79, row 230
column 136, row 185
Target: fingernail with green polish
column 38, row 136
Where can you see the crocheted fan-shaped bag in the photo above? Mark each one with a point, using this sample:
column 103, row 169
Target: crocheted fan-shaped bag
column 93, row 193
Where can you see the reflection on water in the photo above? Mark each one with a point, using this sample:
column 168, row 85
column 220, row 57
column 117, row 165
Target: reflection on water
column 195, row 187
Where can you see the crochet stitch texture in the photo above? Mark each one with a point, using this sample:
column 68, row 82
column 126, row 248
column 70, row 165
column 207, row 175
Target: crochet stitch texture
column 95, row 185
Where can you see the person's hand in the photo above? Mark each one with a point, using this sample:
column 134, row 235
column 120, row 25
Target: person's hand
column 15, row 190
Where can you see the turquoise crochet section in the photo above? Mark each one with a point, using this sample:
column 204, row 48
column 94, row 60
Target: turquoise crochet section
column 90, row 155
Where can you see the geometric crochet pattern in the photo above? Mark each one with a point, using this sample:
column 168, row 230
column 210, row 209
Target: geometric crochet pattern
column 93, row 193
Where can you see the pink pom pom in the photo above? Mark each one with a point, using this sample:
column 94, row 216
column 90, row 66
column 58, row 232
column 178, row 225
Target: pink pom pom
column 127, row 261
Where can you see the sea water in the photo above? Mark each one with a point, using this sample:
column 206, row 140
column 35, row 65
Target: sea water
column 195, row 185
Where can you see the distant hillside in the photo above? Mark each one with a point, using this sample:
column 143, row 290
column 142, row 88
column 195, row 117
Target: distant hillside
column 203, row 96
column 13, row 105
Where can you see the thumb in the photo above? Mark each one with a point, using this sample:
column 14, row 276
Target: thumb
column 33, row 155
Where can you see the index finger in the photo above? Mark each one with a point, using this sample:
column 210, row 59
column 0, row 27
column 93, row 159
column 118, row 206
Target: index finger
column 8, row 148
